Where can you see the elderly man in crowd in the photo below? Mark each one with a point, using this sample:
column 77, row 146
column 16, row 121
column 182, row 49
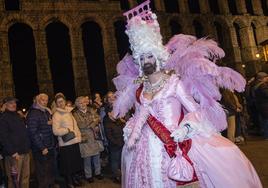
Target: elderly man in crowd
column 42, row 140
column 90, row 147
column 16, row 145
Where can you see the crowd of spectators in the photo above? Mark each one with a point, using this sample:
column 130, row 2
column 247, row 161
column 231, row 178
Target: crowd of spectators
column 66, row 144
column 73, row 144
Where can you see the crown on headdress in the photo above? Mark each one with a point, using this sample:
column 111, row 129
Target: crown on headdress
column 142, row 11
column 144, row 33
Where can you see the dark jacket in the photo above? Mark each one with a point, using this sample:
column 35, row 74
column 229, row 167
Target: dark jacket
column 13, row 134
column 41, row 134
column 114, row 132
column 262, row 99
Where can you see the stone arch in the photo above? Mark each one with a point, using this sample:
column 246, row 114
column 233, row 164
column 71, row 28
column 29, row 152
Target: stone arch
column 254, row 33
column 9, row 20
column 175, row 26
column 256, row 22
column 94, row 53
column 204, row 23
column 98, row 20
column 60, row 57
column 255, row 27
column 237, row 28
column 224, row 40
column 242, row 32
column 225, row 22
column 226, row 25
column 241, row 22
column 23, row 61
column 177, row 19
column 92, row 18
column 198, row 28
column 66, row 20
column 122, row 39
column 220, row 33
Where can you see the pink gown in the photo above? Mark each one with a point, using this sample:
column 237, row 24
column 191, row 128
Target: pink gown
column 217, row 161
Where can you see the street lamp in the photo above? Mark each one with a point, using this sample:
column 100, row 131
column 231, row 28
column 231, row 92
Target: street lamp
column 258, row 55
column 264, row 45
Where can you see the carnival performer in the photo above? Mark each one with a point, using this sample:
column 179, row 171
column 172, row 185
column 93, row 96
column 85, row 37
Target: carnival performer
column 173, row 139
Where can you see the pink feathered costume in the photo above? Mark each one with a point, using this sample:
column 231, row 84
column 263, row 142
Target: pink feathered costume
column 217, row 161
column 193, row 89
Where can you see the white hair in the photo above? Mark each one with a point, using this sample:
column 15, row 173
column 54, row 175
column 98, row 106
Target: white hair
column 145, row 37
column 78, row 100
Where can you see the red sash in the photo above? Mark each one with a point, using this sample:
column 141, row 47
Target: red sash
column 164, row 135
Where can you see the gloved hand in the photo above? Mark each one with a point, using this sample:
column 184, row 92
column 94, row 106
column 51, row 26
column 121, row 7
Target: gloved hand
column 180, row 134
column 131, row 143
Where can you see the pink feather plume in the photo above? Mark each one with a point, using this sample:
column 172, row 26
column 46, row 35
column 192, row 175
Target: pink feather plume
column 194, row 60
column 125, row 86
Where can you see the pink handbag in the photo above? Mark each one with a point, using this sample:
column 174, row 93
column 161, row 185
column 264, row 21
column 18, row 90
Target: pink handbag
column 180, row 169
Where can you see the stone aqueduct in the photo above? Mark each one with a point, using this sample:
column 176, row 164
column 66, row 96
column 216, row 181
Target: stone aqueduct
column 239, row 33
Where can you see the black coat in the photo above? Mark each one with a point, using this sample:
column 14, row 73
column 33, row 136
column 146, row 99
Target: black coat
column 13, row 134
column 262, row 99
column 114, row 133
column 41, row 134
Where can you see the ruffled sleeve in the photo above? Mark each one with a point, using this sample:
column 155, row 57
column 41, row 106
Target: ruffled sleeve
column 195, row 116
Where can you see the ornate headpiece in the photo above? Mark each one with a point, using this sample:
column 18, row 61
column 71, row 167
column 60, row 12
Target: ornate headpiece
column 144, row 34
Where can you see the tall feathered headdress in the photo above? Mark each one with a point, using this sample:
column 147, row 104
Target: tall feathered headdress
column 144, row 34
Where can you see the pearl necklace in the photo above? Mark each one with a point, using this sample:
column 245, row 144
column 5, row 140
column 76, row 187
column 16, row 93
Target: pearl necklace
column 153, row 88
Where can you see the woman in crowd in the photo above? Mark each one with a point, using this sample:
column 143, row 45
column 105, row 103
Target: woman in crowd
column 97, row 102
column 69, row 137
column 91, row 146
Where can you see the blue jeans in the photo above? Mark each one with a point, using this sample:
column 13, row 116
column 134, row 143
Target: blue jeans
column 115, row 161
column 88, row 161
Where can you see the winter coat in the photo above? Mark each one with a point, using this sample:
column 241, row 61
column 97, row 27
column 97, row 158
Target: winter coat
column 262, row 99
column 40, row 132
column 13, row 134
column 63, row 121
column 87, row 123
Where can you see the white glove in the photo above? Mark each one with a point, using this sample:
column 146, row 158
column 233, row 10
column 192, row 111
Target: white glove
column 180, row 134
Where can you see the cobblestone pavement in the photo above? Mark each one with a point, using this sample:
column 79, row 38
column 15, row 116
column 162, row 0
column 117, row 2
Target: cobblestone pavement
column 255, row 149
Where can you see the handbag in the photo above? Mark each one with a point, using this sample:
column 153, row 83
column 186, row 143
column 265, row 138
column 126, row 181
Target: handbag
column 68, row 136
column 180, row 169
